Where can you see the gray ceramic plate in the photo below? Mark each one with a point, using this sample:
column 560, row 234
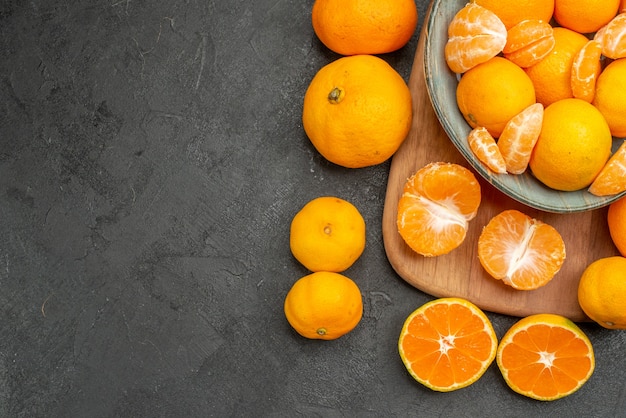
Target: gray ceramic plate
column 442, row 82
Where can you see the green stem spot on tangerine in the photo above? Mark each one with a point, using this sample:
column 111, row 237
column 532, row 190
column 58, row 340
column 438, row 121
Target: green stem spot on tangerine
column 336, row 95
column 321, row 331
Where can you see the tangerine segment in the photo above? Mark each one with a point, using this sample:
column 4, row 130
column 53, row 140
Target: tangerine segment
column 447, row 344
column 586, row 68
column 475, row 35
column 545, row 357
column 529, row 42
column 484, row 147
column 435, row 207
column 519, row 137
column 523, row 252
column 612, row 178
column 612, row 37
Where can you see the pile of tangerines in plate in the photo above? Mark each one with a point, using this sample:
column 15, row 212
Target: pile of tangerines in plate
column 357, row 111
column 542, row 87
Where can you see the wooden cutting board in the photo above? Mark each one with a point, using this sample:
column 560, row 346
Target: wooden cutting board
column 459, row 273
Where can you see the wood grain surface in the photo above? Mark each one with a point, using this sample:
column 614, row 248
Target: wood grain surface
column 459, row 273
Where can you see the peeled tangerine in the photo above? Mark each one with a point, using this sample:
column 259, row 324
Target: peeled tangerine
column 523, row 252
column 475, row 35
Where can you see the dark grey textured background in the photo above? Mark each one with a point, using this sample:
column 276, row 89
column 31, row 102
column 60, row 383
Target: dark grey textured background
column 151, row 158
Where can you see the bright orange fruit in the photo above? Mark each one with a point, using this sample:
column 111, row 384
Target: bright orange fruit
column 351, row 27
column 552, row 76
column 612, row 37
column 612, row 178
column 545, row 357
column 616, row 218
column 529, row 42
column 447, row 344
column 586, row 68
column 435, row 207
column 585, row 16
column 484, row 147
column 357, row 111
column 523, row 252
column 511, row 12
column 491, row 93
column 519, row 138
column 323, row 305
column 475, row 35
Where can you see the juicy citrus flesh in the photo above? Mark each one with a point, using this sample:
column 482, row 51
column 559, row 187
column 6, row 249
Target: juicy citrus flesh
column 327, row 234
column 545, row 357
column 610, row 99
column 485, row 148
column 511, row 12
column 436, row 205
column 529, row 42
column 357, row 111
column 525, row 253
column 447, row 344
column 585, row 71
column 324, row 305
column 585, row 16
column 574, row 144
column 493, row 92
column 612, row 178
column 616, row 218
column 602, row 292
column 352, row 27
column 519, row 136
column 612, row 37
column 475, row 35
column 551, row 76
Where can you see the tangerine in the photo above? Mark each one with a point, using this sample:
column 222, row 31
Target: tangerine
column 324, row 305
column 436, row 206
column 475, row 35
column 610, row 99
column 511, row 12
column 523, row 252
column 552, row 76
column 573, row 146
column 352, row 27
column 602, row 292
column 616, row 218
column 545, row 357
column 447, row 344
column 491, row 93
column 585, row 16
column 357, row 111
column 327, row 234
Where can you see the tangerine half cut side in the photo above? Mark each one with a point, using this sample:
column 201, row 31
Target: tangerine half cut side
column 545, row 357
column 447, row 344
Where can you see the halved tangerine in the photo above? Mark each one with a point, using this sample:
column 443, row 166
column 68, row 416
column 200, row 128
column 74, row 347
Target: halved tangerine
column 447, row 344
column 523, row 252
column 475, row 35
column 612, row 178
column 545, row 357
column 529, row 42
column 519, row 137
column 436, row 206
column 484, row 147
